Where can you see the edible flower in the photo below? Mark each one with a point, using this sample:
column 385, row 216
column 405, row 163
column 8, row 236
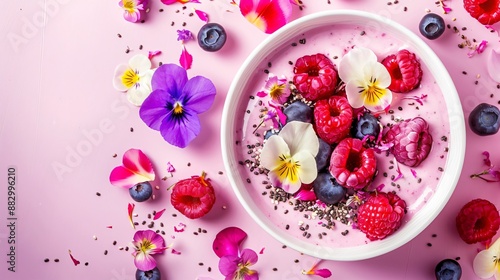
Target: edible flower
column 323, row 272
column 478, row 49
column 277, row 88
column 492, row 174
column 147, row 243
column 134, row 78
column 366, row 80
column 267, row 15
column 289, row 156
column 234, row 264
column 136, row 168
column 184, row 35
column 487, row 262
column 173, row 106
column 134, row 10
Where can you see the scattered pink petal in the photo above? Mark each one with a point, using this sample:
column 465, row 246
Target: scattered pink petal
column 486, row 159
column 131, row 207
column 227, row 241
column 416, row 98
column 279, row 112
column 267, row 15
column 478, row 49
column 180, row 227
column 202, row 15
column 322, row 272
column 262, row 251
column 170, row 167
column 305, row 195
column 75, row 261
column 413, row 172
column 153, row 54
column 169, row 2
column 136, row 168
column 261, row 94
column 175, row 252
column 186, row 59
column 400, row 174
column 109, row 226
column 158, row 214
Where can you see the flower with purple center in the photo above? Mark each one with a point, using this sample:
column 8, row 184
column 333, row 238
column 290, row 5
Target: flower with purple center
column 147, row 243
column 134, row 10
column 277, row 88
column 184, row 35
column 173, row 106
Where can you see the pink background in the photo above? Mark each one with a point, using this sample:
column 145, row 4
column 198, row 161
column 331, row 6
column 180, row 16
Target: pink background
column 58, row 107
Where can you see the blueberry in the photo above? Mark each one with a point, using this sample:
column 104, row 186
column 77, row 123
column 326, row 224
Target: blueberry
column 270, row 133
column 431, row 26
column 141, row 192
column 484, row 119
column 327, row 189
column 448, row 269
column 153, row 274
column 323, row 156
column 366, row 125
column 212, row 37
column 298, row 111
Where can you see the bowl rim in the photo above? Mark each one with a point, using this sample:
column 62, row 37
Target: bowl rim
column 457, row 140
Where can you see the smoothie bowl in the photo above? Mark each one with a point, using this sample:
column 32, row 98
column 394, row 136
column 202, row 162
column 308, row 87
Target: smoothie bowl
column 343, row 135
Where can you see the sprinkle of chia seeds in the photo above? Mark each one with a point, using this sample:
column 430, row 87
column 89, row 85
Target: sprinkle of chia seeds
column 457, row 258
column 275, row 269
column 46, row 260
column 440, row 169
column 188, row 164
column 266, row 71
column 302, row 41
column 200, row 264
column 434, row 235
column 140, row 47
column 429, row 244
column 294, row 44
column 248, row 180
column 345, row 232
column 105, row 252
column 114, row 242
column 444, row 138
column 98, row 193
column 86, row 264
column 362, row 33
column 56, row 260
column 287, row 227
column 209, row 269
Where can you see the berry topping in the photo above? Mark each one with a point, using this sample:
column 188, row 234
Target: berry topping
column 405, row 71
column 333, row 118
column 141, row 192
column 323, row 155
column 353, row 165
column 193, row 197
column 367, row 125
column 315, row 76
column 153, row 274
column 431, row 26
column 298, row 111
column 484, row 119
column 478, row 221
column 381, row 215
column 327, row 189
column 411, row 141
column 448, row 269
column 211, row 37
column 486, row 12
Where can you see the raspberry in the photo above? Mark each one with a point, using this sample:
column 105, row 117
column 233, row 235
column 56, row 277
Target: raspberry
column 333, row 118
column 478, row 221
column 405, row 71
column 381, row 215
column 353, row 165
column 193, row 197
column 411, row 141
column 315, row 76
column 486, row 12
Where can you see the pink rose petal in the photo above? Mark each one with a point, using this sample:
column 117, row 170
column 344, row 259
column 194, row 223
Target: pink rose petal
column 202, row 15
column 158, row 214
column 227, row 241
column 75, row 261
column 131, row 207
column 175, row 252
column 152, row 54
column 186, row 59
column 136, row 168
column 262, row 251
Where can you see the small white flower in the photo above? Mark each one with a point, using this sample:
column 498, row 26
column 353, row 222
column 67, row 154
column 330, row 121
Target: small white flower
column 289, row 156
column 487, row 262
column 366, row 80
column 134, row 78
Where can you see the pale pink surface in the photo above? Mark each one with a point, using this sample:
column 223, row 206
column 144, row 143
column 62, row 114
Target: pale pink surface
column 58, row 100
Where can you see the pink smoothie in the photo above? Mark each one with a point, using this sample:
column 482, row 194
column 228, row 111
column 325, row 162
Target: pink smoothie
column 416, row 190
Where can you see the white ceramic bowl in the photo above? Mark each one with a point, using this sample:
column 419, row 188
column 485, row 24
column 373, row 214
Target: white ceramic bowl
column 237, row 100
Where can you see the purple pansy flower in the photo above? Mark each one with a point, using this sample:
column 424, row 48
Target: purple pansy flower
column 173, row 106
column 147, row 243
column 134, row 10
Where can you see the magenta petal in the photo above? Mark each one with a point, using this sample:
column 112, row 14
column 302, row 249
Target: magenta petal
column 136, row 168
column 168, row 2
column 227, row 241
column 248, row 257
column 170, row 78
column 252, row 275
column 306, row 195
column 323, row 272
column 228, row 265
column 144, row 262
column 202, row 15
column 186, row 59
column 267, row 15
column 199, row 93
column 180, row 131
column 153, row 110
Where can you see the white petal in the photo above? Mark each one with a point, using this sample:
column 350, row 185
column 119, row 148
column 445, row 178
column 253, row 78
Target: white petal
column 117, row 79
column 140, row 63
column 274, row 147
column 352, row 89
column 307, row 170
column 483, row 265
column 351, row 65
column 379, row 72
column 382, row 103
column 137, row 95
column 300, row 136
column 493, row 64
